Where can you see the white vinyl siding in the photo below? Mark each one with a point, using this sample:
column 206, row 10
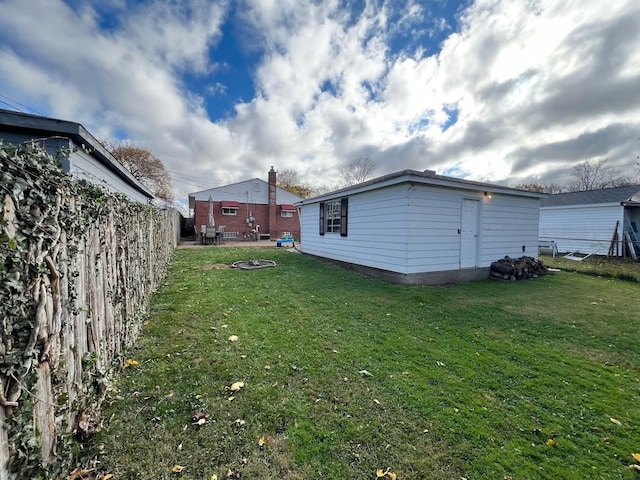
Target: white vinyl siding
column 508, row 224
column 85, row 167
column 433, row 221
column 570, row 224
column 373, row 240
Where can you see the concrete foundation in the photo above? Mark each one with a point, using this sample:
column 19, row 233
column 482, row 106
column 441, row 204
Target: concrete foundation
column 424, row 278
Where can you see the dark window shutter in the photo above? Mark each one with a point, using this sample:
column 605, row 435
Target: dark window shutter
column 322, row 220
column 344, row 213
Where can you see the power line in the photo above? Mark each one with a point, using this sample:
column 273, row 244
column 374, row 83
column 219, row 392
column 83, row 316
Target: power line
column 12, row 106
column 16, row 102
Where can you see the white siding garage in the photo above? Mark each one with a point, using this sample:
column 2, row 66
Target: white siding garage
column 585, row 222
column 419, row 227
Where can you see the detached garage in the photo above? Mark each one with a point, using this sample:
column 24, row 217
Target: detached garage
column 416, row 227
column 593, row 222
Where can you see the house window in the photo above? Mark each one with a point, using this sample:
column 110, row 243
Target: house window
column 333, row 216
column 286, row 214
column 332, row 212
column 229, row 211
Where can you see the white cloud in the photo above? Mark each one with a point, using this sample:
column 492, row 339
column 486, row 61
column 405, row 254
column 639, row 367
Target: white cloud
column 534, row 84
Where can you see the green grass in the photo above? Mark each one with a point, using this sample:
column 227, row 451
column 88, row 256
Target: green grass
column 469, row 380
column 624, row 269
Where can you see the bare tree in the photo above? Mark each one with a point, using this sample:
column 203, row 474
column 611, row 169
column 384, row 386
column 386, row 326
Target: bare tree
column 594, row 175
column 357, row 171
column 552, row 188
column 531, row 187
column 144, row 166
column 290, row 181
column 538, row 187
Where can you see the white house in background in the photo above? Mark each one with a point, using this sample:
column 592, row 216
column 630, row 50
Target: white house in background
column 421, row 228
column 84, row 157
column 586, row 221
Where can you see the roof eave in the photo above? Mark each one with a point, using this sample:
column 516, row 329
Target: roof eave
column 425, row 178
column 80, row 136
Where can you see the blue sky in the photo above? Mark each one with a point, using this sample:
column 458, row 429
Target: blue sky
column 505, row 91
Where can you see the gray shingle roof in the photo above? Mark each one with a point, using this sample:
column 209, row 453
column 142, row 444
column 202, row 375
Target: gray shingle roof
column 629, row 193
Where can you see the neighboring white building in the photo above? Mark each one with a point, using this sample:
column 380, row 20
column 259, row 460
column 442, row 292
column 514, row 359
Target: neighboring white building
column 585, row 222
column 421, row 228
column 84, row 157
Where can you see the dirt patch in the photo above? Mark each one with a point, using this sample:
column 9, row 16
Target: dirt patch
column 215, row 266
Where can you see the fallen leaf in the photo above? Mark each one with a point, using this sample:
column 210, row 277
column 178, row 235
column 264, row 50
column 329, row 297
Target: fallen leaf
column 107, row 476
column 128, row 362
column 239, row 423
column 236, row 386
column 229, row 473
column 635, row 467
column 441, row 364
column 79, row 473
column 386, row 473
column 214, row 477
column 376, row 401
column 233, row 338
column 177, row 468
column 366, row 373
column 617, row 422
column 551, row 442
column 636, row 456
column 263, row 440
column 267, row 367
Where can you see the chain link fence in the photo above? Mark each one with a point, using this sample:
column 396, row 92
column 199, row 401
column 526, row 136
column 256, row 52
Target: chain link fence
column 582, row 247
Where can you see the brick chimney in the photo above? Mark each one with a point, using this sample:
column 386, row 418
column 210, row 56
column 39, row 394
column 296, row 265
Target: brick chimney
column 273, row 209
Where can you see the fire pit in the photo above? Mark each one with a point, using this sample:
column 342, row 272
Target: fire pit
column 253, row 264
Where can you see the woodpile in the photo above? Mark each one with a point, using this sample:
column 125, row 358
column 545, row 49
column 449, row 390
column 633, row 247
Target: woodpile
column 512, row 269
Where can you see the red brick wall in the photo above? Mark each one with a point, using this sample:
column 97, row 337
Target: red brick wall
column 237, row 223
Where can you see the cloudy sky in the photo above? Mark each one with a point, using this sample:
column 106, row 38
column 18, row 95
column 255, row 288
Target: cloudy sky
column 505, row 91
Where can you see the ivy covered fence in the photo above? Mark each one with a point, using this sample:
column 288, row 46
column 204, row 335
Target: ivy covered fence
column 78, row 268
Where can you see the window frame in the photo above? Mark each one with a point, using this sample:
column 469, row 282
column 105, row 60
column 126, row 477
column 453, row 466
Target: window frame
column 230, row 211
column 333, row 216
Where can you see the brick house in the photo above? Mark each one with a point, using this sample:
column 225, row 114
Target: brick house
column 244, row 206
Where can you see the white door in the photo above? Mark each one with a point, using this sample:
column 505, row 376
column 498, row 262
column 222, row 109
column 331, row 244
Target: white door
column 469, row 233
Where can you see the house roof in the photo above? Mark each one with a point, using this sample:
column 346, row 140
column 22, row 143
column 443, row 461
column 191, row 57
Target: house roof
column 254, row 191
column 629, row 194
column 427, row 177
column 40, row 127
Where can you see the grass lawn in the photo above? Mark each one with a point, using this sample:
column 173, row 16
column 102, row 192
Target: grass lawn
column 344, row 375
column 624, row 269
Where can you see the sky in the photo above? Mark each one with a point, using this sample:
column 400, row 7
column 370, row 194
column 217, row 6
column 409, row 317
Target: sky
column 502, row 91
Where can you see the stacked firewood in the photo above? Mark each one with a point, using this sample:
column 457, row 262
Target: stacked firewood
column 513, row 269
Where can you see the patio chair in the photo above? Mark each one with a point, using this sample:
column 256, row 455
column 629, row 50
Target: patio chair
column 220, row 235
column 210, row 235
